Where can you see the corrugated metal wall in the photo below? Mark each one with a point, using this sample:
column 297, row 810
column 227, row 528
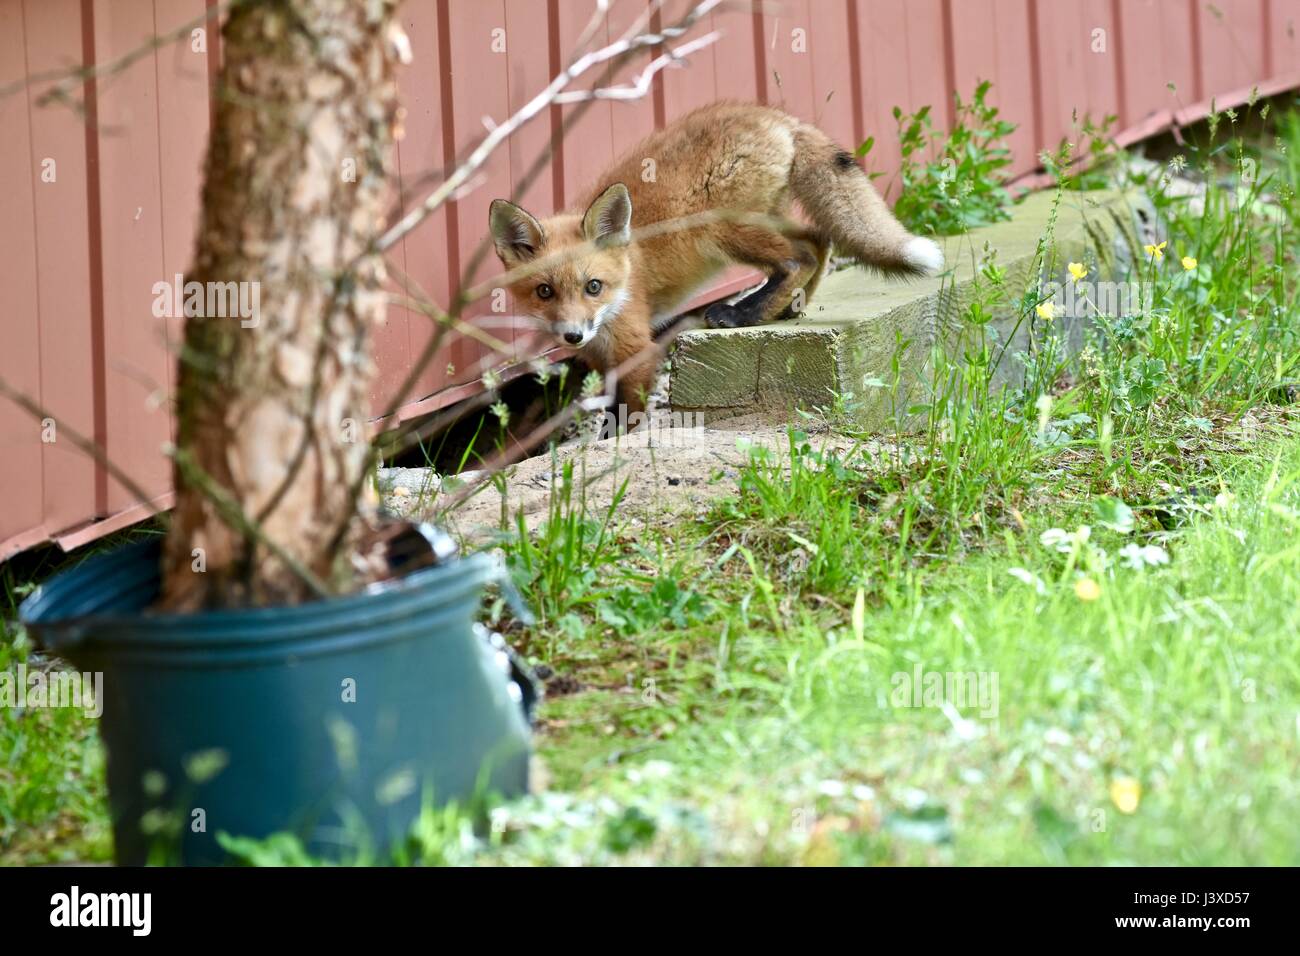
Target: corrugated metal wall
column 97, row 208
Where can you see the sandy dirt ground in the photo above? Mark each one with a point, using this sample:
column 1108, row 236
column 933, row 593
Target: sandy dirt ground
column 668, row 473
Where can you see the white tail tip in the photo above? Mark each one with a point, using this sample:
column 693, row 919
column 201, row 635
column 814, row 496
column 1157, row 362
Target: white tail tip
column 923, row 255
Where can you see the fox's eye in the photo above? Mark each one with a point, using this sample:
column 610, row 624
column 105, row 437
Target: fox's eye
column 544, row 291
column 594, row 286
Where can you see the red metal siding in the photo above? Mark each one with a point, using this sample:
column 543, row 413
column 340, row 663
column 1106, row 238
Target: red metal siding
column 1156, row 51
column 1233, row 44
column 1284, row 36
column 20, row 359
column 137, row 361
column 78, row 256
column 423, row 253
column 990, row 40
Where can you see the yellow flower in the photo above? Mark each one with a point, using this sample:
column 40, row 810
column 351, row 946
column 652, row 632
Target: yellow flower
column 1156, row 251
column 1086, row 589
column 1078, row 270
column 1189, row 263
column 1046, row 311
column 1126, row 794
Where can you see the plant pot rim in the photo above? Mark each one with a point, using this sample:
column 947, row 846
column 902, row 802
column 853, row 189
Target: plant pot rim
column 104, row 601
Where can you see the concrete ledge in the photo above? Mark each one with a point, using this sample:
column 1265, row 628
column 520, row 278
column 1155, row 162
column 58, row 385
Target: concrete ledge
column 846, row 344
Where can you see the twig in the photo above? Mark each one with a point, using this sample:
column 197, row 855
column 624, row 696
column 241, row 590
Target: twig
column 641, row 85
column 612, row 55
column 505, row 458
column 236, row 518
column 430, row 350
column 74, row 77
column 81, row 442
column 537, row 104
column 231, row 511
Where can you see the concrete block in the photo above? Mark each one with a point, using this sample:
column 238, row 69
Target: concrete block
column 863, row 334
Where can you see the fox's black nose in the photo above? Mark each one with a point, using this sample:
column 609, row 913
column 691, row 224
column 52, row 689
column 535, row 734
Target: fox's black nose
column 573, row 338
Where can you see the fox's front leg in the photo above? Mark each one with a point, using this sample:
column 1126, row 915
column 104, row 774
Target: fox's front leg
column 634, row 387
column 636, row 357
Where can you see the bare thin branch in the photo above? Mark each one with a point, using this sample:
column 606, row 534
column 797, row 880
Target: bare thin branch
column 509, row 456
column 71, row 78
column 532, row 108
column 230, row 509
column 611, row 56
column 235, row 516
column 641, row 85
column 81, row 442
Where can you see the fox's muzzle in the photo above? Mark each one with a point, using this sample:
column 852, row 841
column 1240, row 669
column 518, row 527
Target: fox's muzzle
column 573, row 333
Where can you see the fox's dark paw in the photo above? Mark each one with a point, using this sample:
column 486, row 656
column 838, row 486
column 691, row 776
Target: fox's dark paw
column 723, row 316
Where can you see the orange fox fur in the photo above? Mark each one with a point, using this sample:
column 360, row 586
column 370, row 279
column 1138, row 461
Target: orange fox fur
column 604, row 300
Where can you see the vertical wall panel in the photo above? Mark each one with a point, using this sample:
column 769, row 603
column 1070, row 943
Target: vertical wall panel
column 589, row 145
column 1015, row 81
column 735, row 73
column 20, row 444
column 787, row 44
column 420, row 158
column 989, row 39
column 630, row 120
column 1232, row 44
column 831, row 58
column 1077, row 56
column 479, row 90
column 903, row 54
column 182, row 81
column 975, row 52
column 883, row 26
column 136, row 360
column 696, row 85
column 390, row 340
column 1156, row 49
column 925, row 56
column 1283, row 29
column 527, row 25
column 62, row 247
column 529, row 65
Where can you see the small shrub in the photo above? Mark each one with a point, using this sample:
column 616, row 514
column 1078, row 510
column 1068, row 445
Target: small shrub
column 954, row 183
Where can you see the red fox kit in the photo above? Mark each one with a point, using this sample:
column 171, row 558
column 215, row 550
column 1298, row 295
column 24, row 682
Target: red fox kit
column 726, row 156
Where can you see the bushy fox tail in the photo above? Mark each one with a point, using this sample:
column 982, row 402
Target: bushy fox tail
column 843, row 204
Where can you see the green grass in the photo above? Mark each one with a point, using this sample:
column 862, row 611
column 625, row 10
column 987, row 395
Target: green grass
column 52, row 793
column 730, row 686
column 770, row 730
column 51, row 789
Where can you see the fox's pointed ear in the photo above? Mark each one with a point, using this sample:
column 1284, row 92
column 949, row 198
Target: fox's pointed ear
column 516, row 235
column 608, row 221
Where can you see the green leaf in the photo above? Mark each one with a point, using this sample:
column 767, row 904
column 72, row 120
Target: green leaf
column 631, row 828
column 1114, row 514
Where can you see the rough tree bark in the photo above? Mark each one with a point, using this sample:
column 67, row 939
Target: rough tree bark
column 272, row 415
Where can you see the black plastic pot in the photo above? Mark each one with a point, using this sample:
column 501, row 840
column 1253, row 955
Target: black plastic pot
column 335, row 720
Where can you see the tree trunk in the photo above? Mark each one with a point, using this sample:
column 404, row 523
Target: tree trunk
column 273, row 401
